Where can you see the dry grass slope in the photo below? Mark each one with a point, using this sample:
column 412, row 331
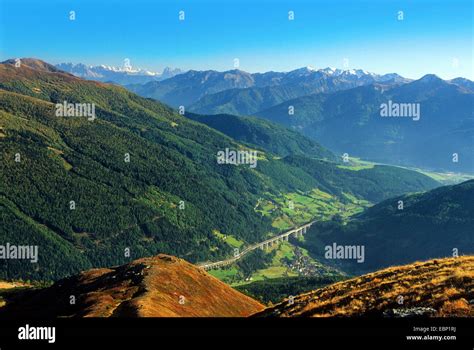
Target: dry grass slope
column 161, row 286
column 445, row 285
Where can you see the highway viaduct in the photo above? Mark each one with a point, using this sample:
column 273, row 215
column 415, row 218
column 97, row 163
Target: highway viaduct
column 296, row 232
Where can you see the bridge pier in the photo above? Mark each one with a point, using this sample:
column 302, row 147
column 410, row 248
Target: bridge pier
column 262, row 245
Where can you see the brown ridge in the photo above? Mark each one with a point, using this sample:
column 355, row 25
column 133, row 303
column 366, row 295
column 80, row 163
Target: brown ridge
column 160, row 286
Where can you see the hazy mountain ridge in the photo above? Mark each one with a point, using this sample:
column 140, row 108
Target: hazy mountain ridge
column 118, row 75
column 209, row 92
column 350, row 121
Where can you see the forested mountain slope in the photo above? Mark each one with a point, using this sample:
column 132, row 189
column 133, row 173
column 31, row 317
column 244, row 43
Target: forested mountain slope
column 136, row 180
column 267, row 135
column 437, row 223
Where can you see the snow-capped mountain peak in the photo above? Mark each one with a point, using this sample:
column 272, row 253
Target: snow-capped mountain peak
column 123, row 75
column 329, row 70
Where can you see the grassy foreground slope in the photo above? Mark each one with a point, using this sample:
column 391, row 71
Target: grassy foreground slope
column 164, row 286
column 438, row 288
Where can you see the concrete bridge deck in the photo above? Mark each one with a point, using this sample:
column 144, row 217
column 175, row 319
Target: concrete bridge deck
column 296, row 232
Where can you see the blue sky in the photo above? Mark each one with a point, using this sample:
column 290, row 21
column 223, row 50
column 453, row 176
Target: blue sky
column 434, row 36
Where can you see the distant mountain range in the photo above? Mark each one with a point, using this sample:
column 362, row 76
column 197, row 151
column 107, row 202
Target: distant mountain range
column 351, row 121
column 341, row 109
column 118, row 75
column 239, row 92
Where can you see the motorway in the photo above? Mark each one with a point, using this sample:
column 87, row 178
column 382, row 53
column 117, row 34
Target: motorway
column 298, row 231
